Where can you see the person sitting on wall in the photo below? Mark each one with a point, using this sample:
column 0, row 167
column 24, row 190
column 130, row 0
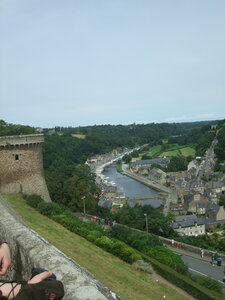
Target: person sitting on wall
column 42, row 286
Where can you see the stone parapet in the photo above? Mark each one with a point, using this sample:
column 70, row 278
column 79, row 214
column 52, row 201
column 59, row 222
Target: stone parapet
column 6, row 141
column 31, row 250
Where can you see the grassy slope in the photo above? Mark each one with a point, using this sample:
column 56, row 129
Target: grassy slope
column 186, row 151
column 119, row 276
column 173, row 150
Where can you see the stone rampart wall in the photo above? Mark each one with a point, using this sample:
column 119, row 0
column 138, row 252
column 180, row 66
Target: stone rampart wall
column 31, row 250
column 21, row 166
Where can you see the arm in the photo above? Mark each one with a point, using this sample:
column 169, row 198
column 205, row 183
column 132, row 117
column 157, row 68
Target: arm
column 5, row 258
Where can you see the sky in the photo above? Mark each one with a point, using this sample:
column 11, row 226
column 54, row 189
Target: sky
column 86, row 62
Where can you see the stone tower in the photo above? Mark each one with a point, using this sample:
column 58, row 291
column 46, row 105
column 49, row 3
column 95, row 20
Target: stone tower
column 21, row 165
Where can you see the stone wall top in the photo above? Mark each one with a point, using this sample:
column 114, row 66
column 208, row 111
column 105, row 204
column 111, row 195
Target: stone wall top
column 21, row 140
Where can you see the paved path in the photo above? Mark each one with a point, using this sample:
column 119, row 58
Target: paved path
column 201, row 266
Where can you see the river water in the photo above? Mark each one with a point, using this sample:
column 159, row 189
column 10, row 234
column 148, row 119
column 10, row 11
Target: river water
column 130, row 187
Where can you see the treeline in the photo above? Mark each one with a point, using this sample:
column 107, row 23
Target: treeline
column 220, row 147
column 202, row 137
column 7, row 129
column 104, row 138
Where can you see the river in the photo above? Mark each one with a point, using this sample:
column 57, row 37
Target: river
column 131, row 188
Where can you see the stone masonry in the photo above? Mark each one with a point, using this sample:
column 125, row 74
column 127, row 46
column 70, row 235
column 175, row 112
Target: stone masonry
column 31, row 250
column 21, row 165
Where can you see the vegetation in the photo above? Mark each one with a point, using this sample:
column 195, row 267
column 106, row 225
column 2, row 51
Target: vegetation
column 7, row 129
column 158, row 223
column 66, row 151
column 219, row 150
column 149, row 245
column 106, row 240
column 120, row 274
column 122, row 278
column 222, row 200
column 212, row 242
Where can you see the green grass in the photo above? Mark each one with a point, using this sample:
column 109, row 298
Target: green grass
column 117, row 275
column 185, row 151
column 173, row 150
column 154, row 151
column 170, row 153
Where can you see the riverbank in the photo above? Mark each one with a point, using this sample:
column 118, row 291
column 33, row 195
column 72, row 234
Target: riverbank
column 156, row 186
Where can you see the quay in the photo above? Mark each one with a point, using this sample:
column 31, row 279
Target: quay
column 156, row 186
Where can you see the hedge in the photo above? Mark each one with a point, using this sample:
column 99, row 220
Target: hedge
column 182, row 281
column 149, row 245
column 98, row 237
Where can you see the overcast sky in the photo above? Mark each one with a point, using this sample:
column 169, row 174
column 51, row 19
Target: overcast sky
column 86, row 62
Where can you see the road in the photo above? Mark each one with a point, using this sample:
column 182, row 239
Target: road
column 209, row 161
column 203, row 267
column 200, row 266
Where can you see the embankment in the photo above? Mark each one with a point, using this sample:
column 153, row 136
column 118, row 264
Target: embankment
column 30, row 250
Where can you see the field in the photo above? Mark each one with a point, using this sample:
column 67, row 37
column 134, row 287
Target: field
column 122, row 278
column 185, row 151
column 172, row 150
column 154, row 151
column 79, row 136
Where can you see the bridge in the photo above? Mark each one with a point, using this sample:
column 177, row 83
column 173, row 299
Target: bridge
column 138, row 200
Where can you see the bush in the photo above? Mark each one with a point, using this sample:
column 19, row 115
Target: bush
column 144, row 266
column 105, row 243
column 118, row 248
column 134, row 239
column 93, row 235
column 128, row 254
column 168, row 258
column 49, row 208
column 33, row 200
column 150, row 245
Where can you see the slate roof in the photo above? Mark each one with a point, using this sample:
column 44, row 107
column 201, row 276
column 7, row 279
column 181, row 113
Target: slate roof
column 214, row 208
column 159, row 161
column 187, row 221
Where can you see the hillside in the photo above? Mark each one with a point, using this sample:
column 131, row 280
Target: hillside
column 119, row 276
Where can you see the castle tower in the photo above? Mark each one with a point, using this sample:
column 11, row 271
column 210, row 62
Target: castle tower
column 21, row 165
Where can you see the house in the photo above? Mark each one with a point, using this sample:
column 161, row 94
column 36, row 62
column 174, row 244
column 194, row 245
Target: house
column 148, row 163
column 197, row 187
column 217, row 187
column 189, row 225
column 193, row 165
column 158, row 175
column 198, row 206
column 216, row 212
column 177, row 208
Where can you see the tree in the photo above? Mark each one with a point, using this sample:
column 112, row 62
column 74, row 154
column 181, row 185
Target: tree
column 134, row 217
column 177, row 163
column 146, row 156
column 127, row 158
column 222, row 200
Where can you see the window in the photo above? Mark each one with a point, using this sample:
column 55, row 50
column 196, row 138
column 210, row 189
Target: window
column 16, row 156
